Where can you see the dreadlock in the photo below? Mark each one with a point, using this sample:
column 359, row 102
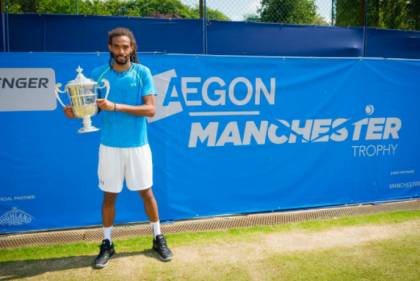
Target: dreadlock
column 121, row 31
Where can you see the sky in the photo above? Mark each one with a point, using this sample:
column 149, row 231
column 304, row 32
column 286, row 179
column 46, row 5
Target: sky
column 236, row 9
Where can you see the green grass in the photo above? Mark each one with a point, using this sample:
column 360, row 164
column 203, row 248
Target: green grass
column 143, row 243
column 389, row 260
column 397, row 260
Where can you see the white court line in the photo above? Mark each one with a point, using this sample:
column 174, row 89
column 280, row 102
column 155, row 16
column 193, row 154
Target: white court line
column 224, row 113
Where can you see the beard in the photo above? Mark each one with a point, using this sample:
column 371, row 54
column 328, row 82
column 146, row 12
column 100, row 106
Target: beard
column 120, row 60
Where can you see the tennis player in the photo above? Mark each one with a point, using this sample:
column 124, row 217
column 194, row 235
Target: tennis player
column 124, row 152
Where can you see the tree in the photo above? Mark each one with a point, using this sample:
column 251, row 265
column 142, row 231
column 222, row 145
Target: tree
column 347, row 12
column 56, row 7
column 252, row 17
column 395, row 14
column 213, row 14
column 289, row 11
column 25, row 5
column 414, row 13
column 140, row 8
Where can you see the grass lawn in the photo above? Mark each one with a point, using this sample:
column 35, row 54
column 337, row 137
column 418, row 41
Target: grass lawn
column 241, row 254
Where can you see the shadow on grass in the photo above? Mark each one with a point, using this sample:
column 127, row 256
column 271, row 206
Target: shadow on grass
column 21, row 269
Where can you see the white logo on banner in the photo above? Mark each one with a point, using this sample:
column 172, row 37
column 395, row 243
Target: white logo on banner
column 294, row 131
column 15, row 217
column 215, row 93
column 162, row 82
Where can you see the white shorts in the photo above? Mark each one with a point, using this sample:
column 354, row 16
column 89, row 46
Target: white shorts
column 133, row 163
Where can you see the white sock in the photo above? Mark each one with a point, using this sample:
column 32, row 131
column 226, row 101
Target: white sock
column 107, row 233
column 155, row 228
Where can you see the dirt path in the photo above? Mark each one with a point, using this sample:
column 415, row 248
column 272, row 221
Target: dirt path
column 295, row 241
column 202, row 258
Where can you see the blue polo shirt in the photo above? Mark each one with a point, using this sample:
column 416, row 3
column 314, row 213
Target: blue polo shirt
column 121, row 129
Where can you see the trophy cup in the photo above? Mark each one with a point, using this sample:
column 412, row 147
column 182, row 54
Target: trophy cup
column 82, row 95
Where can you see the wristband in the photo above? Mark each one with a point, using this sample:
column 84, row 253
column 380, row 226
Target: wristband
column 115, row 106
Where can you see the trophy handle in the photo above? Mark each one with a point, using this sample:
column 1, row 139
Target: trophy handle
column 106, row 86
column 57, row 92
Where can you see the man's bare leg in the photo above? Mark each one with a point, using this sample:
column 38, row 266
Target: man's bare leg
column 108, row 209
column 159, row 241
column 108, row 215
column 150, row 205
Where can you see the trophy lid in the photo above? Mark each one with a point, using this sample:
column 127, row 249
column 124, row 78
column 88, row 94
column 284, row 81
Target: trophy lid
column 80, row 79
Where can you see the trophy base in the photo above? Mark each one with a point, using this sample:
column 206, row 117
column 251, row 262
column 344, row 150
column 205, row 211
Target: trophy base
column 87, row 126
column 88, row 129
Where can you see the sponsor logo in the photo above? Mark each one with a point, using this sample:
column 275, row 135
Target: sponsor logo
column 23, row 83
column 213, row 93
column 15, row 217
column 294, row 131
column 27, row 89
column 207, row 97
column 409, row 184
column 162, row 82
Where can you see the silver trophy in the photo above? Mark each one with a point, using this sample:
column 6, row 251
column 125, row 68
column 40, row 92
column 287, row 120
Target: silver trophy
column 82, row 95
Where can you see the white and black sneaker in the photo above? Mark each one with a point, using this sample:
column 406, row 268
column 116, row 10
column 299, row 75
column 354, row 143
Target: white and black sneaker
column 161, row 247
column 106, row 252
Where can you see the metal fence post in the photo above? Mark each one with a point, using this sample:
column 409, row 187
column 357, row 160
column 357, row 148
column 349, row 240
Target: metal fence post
column 333, row 12
column 365, row 25
column 201, row 8
column 203, row 16
column 5, row 19
column 3, row 28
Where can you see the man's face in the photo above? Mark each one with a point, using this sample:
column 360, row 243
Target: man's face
column 121, row 49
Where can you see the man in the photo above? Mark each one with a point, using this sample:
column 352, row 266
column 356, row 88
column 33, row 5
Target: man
column 124, row 152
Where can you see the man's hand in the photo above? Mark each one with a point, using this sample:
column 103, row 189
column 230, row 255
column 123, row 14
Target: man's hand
column 68, row 111
column 105, row 104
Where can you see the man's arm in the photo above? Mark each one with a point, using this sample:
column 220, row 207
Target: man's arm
column 146, row 109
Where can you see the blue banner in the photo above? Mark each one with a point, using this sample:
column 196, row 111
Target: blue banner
column 231, row 135
column 58, row 33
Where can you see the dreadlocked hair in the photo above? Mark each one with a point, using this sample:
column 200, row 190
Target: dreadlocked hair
column 121, row 31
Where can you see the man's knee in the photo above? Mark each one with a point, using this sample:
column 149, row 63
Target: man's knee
column 147, row 194
column 109, row 199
